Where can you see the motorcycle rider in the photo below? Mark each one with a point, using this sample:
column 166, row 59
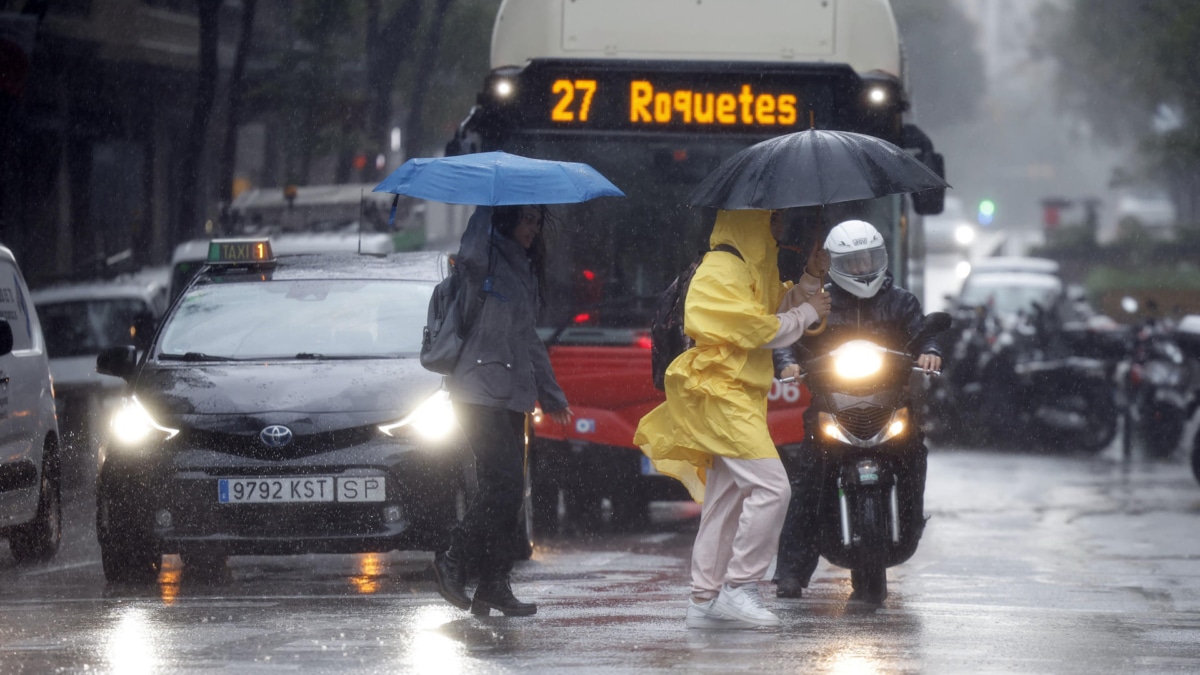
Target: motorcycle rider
column 866, row 304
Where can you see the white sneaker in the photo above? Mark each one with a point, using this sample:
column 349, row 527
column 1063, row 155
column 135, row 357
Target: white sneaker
column 702, row 615
column 744, row 604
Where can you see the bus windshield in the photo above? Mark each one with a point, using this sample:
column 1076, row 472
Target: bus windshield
column 613, row 257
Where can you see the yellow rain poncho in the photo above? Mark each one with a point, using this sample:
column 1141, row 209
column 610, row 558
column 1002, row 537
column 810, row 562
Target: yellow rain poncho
column 717, row 391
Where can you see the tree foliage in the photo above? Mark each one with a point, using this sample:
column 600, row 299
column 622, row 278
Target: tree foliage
column 1130, row 68
column 944, row 65
column 340, row 75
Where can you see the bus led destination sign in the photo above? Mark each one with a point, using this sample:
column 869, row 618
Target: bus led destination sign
column 632, row 102
column 746, row 106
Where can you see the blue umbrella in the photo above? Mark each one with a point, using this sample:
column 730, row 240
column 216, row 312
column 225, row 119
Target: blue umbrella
column 497, row 179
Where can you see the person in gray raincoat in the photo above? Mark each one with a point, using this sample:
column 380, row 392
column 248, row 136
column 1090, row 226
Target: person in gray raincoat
column 502, row 372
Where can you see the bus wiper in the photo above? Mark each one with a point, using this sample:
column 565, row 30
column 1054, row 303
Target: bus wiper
column 193, row 356
column 568, row 322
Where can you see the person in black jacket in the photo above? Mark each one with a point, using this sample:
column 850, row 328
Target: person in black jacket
column 866, row 304
column 502, row 372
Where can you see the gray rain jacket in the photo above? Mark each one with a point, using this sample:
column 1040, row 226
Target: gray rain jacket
column 504, row 364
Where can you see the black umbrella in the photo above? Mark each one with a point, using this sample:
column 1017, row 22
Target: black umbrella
column 811, row 168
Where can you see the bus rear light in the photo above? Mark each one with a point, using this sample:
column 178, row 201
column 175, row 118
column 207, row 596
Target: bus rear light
column 583, row 317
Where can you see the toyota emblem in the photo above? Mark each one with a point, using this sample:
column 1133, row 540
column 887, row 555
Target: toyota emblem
column 275, row 436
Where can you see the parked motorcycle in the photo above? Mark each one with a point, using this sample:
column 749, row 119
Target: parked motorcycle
column 1187, row 335
column 1042, row 386
column 1158, row 393
column 867, row 438
column 950, row 401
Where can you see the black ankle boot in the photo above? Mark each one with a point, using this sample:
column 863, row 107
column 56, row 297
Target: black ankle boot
column 451, row 575
column 495, row 592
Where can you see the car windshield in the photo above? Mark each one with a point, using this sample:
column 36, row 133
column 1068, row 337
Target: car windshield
column 345, row 318
column 88, row 327
column 1009, row 296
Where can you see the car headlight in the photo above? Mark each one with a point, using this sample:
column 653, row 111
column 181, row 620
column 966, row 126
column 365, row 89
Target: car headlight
column 432, row 420
column 964, row 235
column 132, row 424
column 857, row 359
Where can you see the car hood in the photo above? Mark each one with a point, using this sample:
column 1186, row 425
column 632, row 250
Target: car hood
column 327, row 395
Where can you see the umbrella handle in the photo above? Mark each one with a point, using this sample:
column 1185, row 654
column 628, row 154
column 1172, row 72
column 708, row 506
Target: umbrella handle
column 819, row 329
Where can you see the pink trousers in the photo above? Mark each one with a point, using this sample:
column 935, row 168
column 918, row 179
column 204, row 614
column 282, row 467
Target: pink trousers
column 745, row 501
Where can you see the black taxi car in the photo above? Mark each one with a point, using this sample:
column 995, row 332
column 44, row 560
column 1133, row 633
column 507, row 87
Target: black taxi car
column 281, row 409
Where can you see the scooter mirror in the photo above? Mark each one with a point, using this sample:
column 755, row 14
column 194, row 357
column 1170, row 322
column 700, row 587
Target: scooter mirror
column 935, row 322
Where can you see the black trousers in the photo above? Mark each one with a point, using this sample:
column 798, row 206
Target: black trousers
column 807, row 469
column 485, row 539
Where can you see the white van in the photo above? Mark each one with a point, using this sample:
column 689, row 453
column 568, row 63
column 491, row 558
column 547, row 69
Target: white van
column 80, row 320
column 30, row 499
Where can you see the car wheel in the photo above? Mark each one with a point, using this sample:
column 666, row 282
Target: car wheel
column 38, row 541
column 524, row 543
column 127, row 551
column 630, row 505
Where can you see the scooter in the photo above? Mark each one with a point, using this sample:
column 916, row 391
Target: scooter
column 872, row 458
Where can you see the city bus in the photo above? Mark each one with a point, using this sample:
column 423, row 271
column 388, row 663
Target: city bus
column 655, row 95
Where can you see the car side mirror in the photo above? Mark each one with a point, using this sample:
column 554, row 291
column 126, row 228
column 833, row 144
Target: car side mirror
column 117, row 361
column 142, row 331
column 6, row 337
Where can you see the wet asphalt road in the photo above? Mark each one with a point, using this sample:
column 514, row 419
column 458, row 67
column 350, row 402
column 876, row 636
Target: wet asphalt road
column 1030, row 564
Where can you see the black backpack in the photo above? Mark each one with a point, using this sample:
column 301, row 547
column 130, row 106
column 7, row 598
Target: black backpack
column 667, row 339
column 451, row 314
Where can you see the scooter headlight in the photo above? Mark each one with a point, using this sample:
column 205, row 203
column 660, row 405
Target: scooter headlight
column 897, row 426
column 857, row 359
column 831, row 428
column 432, row 420
column 132, row 424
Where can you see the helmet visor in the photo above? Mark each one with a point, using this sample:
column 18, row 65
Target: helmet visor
column 864, row 265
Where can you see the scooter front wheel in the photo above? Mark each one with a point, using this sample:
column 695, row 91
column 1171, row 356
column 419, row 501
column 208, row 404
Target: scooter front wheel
column 869, row 584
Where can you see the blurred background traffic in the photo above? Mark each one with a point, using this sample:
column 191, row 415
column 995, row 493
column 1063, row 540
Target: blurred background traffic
column 133, row 130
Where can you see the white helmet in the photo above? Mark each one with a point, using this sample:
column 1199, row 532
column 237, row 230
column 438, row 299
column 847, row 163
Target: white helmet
column 857, row 257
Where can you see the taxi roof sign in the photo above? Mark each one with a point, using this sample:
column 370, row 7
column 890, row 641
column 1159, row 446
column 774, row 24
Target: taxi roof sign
column 240, row 252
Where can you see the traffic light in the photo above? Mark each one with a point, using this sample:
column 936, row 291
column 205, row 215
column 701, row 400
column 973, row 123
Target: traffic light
column 987, row 211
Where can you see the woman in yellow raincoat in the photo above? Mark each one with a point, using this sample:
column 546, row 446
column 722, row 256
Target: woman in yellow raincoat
column 712, row 433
